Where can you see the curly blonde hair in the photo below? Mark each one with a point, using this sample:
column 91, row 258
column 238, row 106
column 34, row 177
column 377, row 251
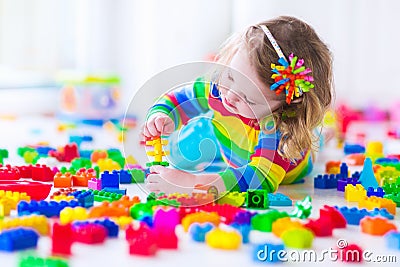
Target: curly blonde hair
column 297, row 37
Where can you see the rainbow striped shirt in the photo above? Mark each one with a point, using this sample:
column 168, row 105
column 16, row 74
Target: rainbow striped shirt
column 250, row 153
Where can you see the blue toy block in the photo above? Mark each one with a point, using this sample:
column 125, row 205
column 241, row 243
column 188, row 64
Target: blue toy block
column 393, row 240
column 342, row 182
column 279, row 200
column 44, row 150
column 381, row 212
column 110, row 179
column 112, row 227
column 344, row 170
column 257, row 199
column 243, row 217
column 353, row 149
column 198, row 231
column 244, row 230
column 115, row 190
column 367, row 177
column 386, row 161
column 356, row 175
column 268, row 252
column 18, row 239
column 85, row 198
column 147, row 220
column 326, row 181
column 353, row 215
column 78, row 140
column 375, row 192
column 46, row 208
column 86, row 154
column 125, row 177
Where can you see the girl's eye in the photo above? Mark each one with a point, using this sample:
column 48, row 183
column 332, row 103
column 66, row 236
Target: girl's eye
column 230, row 77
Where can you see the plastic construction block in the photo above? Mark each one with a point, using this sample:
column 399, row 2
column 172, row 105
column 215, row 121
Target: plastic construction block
column 138, row 175
column 141, row 210
column 343, row 182
column 84, row 198
column 68, row 215
column 157, row 152
column 370, row 203
column 79, row 163
column 226, row 212
column 376, row 226
column 89, row 233
column 353, row 215
column 63, row 191
column 332, row 167
column 244, row 230
column 354, row 193
column 110, row 179
column 395, row 197
column 9, row 173
column 79, row 139
column 98, row 154
column 108, row 165
column 107, row 209
column 112, row 227
column 267, row 252
column 392, row 239
column 165, row 220
column 82, row 177
column 3, row 155
column 102, row 195
column 6, row 207
column 221, row 239
column 36, row 190
column 367, row 178
column 298, row 238
column 279, row 200
column 283, row 224
column 62, row 180
column 42, row 173
column 115, row 190
column 350, row 253
column 61, row 239
column 243, row 217
column 46, row 208
column 67, row 153
column 302, row 209
column 353, row 148
column 326, row 181
column 378, row 192
column 125, row 177
column 94, row 184
column 33, row 261
column 36, row 222
column 236, row 199
column 344, row 170
column 320, row 227
column 257, row 199
column 18, row 239
column 15, row 197
column 263, row 221
column 198, row 231
column 391, row 188
column 333, row 215
column 200, row 217
column 141, row 240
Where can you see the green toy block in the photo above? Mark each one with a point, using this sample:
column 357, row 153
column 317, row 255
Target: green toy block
column 102, row 195
column 78, row 163
column 3, row 155
column 21, row 150
column 140, row 210
column 263, row 221
column 236, row 199
column 302, row 208
column 31, row 157
column 395, row 197
column 300, row 238
column 257, row 199
column 97, row 170
column 137, row 175
column 154, row 163
column 32, row 261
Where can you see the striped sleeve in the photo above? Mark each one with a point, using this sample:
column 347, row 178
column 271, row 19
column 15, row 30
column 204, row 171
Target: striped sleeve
column 265, row 170
column 183, row 103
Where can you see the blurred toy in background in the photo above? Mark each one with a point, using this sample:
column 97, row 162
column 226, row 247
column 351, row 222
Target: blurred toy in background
column 91, row 99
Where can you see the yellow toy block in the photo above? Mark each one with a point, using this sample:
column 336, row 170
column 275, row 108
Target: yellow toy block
column 158, row 152
column 374, row 150
column 15, row 196
column 68, row 215
column 63, row 198
column 218, row 238
column 6, row 206
column 108, row 165
column 200, row 217
column 283, row 224
column 354, row 193
column 123, row 221
column 373, row 202
column 236, row 199
column 38, row 222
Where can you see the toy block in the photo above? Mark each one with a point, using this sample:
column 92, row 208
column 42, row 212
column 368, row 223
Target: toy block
column 244, row 230
column 141, row 240
column 6, row 205
column 373, row 202
column 61, row 239
column 108, row 165
column 36, row 222
column 107, row 209
column 343, row 182
column 89, row 233
column 70, row 152
column 79, row 163
column 126, row 201
column 13, row 198
column 302, row 208
column 110, row 179
column 68, row 215
column 381, row 212
column 262, row 252
column 111, row 227
column 279, row 200
column 84, row 198
column 200, row 217
column 226, row 212
column 164, row 224
column 263, row 221
column 138, row 175
column 123, row 221
column 125, row 177
column 3, row 155
column 257, row 199
column 354, row 193
column 243, row 217
column 9, row 173
column 376, row 226
column 32, row 261
column 18, row 239
column 82, row 177
column 350, row 253
column 63, row 198
column 374, row 150
column 62, row 180
column 42, row 173
column 46, row 208
column 332, row 167
column 353, row 149
column 98, row 154
column 221, row 239
column 25, row 171
column 392, row 239
column 158, row 151
column 79, row 139
column 298, row 238
column 326, row 181
column 43, row 151
column 344, row 170
column 102, row 195
column 31, row 157
column 141, row 210
column 63, row 191
column 333, row 215
column 367, row 178
column 283, row 224
column 198, row 231
column 320, row 227
column 236, row 199
column 395, row 197
column 378, row 192
column 391, row 188
column 353, row 215
column 94, row 184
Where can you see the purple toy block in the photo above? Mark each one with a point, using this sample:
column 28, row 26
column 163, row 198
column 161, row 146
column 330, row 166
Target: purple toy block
column 243, row 217
column 341, row 183
column 94, row 184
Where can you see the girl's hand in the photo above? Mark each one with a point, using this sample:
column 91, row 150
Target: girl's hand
column 158, row 124
column 170, row 181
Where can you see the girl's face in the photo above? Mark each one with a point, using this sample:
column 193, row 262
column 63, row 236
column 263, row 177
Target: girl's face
column 243, row 93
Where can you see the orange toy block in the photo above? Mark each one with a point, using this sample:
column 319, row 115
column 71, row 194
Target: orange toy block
column 98, row 154
column 200, row 217
column 82, row 177
column 355, row 159
column 62, row 180
column 107, row 209
column 376, row 226
column 332, row 167
column 354, row 193
column 283, row 224
column 373, row 202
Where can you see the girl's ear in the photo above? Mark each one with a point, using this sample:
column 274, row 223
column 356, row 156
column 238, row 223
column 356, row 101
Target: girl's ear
column 297, row 100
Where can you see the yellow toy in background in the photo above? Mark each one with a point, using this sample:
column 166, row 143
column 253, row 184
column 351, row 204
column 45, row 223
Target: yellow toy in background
column 374, row 150
column 158, row 151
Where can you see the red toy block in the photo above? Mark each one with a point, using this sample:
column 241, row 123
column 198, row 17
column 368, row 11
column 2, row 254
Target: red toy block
column 62, row 239
column 166, row 239
column 62, row 180
column 350, row 253
column 132, row 232
column 71, row 152
column 25, row 171
column 9, row 173
column 226, row 212
column 63, row 191
column 141, row 240
column 376, row 226
column 320, row 227
column 333, row 215
column 42, row 173
column 89, row 233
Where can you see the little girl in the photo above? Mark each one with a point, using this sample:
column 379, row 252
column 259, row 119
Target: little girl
column 266, row 103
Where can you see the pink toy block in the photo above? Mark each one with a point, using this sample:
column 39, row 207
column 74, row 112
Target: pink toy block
column 94, row 184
